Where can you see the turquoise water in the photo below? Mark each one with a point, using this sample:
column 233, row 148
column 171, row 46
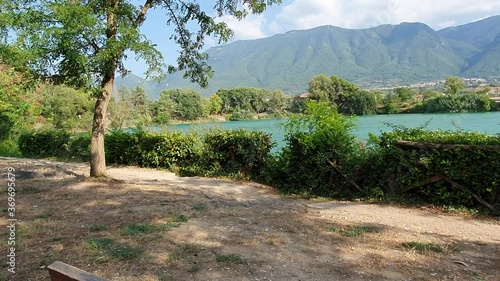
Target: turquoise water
column 488, row 123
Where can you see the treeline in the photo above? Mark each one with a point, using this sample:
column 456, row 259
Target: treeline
column 131, row 108
column 349, row 99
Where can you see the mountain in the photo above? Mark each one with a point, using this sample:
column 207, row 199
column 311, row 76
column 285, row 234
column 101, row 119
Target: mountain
column 484, row 35
column 384, row 55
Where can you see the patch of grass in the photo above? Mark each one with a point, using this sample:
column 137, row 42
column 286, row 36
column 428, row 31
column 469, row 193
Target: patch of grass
column 181, row 218
column 29, row 190
column 331, row 229
column 194, row 268
column 46, row 261
column 98, row 259
column 230, row 259
column 356, row 231
column 461, row 210
column 125, row 252
column 4, row 210
column 320, row 199
column 167, row 226
column 135, row 229
column 121, row 252
column 97, row 227
column 43, row 215
column 421, row 247
column 199, row 207
column 175, row 256
column 99, row 243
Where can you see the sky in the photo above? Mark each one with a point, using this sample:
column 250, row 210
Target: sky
column 306, row 14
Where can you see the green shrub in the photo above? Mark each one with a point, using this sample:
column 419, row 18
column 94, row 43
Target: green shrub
column 464, row 171
column 50, row 143
column 241, row 114
column 313, row 142
column 236, row 152
column 9, row 148
column 151, row 150
column 458, row 103
column 79, row 147
column 165, row 150
column 121, row 147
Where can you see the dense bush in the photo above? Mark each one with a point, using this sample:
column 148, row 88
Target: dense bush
column 457, row 103
column 236, row 152
column 79, row 147
column 49, row 143
column 466, row 169
column 150, row 150
column 314, row 141
column 241, row 114
column 9, row 148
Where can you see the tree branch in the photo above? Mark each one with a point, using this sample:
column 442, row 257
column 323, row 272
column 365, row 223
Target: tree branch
column 337, row 168
column 460, row 186
column 177, row 23
column 424, row 145
column 142, row 15
column 94, row 45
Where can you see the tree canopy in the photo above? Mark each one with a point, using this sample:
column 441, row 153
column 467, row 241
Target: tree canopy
column 454, row 85
column 84, row 43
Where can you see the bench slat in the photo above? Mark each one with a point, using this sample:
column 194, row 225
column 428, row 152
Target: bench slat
column 60, row 271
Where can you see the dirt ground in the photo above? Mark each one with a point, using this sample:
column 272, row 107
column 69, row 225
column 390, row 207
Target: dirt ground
column 143, row 224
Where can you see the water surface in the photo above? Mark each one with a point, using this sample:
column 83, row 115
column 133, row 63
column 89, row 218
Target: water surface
column 488, row 123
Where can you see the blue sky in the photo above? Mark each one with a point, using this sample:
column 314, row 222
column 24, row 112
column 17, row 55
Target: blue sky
column 306, row 14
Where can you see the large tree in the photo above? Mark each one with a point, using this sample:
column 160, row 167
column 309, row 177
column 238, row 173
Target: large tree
column 84, row 43
column 331, row 89
column 186, row 103
column 454, row 85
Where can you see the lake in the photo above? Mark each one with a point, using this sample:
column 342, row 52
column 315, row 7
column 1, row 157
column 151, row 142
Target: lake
column 488, row 122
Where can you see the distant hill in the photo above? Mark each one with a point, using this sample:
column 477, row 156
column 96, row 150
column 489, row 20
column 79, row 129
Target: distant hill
column 384, row 55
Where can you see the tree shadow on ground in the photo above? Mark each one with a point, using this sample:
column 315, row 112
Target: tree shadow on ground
column 205, row 229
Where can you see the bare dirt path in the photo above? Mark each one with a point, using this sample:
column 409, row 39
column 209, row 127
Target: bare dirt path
column 231, row 231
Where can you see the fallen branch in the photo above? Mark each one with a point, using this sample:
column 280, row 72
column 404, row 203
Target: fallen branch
column 428, row 145
column 479, row 199
column 424, row 182
column 337, row 168
column 434, row 179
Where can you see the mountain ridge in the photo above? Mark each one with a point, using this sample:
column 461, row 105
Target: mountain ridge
column 406, row 53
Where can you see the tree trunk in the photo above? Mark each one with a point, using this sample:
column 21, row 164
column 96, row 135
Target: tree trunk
column 97, row 154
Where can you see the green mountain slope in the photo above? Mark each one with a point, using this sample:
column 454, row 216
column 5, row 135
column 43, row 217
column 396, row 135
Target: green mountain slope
column 480, row 33
column 484, row 35
column 383, row 55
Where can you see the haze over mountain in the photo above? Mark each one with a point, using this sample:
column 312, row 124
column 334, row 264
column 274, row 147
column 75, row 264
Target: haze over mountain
column 384, row 55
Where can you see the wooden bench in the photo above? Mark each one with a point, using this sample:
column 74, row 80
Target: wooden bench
column 60, row 271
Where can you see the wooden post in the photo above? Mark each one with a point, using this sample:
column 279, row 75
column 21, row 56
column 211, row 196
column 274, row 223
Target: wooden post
column 60, row 271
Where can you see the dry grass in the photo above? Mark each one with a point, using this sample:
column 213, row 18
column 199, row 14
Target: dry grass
column 156, row 232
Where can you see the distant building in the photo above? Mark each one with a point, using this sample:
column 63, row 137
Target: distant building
column 304, row 95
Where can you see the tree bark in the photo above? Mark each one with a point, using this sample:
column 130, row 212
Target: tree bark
column 97, row 153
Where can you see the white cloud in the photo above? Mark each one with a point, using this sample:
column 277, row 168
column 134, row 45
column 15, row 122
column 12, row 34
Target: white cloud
column 304, row 14
column 252, row 27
